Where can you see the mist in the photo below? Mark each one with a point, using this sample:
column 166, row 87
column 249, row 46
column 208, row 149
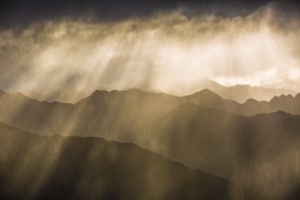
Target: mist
column 166, row 52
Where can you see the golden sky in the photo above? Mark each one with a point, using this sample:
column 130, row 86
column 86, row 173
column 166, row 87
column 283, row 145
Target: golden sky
column 66, row 59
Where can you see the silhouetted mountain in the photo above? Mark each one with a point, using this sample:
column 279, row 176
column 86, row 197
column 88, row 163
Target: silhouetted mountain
column 286, row 103
column 204, row 97
column 233, row 146
column 54, row 167
column 31, row 114
column 132, row 105
column 241, row 93
column 241, row 148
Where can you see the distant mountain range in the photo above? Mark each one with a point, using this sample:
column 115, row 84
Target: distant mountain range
column 242, row 93
column 202, row 130
column 285, row 103
column 51, row 168
column 47, row 118
column 238, row 93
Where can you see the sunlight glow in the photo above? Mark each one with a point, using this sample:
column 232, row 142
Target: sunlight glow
column 168, row 53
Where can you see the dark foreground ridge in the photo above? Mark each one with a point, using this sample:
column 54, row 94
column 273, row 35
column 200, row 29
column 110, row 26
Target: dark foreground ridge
column 40, row 167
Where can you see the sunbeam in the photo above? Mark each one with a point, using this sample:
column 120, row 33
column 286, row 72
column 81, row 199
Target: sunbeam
column 166, row 52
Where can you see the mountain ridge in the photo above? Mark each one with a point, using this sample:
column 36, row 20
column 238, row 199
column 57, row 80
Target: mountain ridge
column 80, row 163
column 227, row 143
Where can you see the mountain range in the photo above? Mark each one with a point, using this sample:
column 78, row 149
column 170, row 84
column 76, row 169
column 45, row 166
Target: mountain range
column 239, row 142
column 241, row 93
column 238, row 93
column 124, row 107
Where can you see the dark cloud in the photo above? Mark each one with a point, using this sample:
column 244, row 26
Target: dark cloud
column 24, row 12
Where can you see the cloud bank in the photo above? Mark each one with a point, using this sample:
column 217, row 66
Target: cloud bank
column 66, row 59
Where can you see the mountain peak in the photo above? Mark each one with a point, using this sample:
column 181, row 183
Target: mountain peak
column 135, row 90
column 297, row 96
column 250, row 101
column 282, row 97
column 98, row 92
column 205, row 94
column 206, row 91
column 94, row 95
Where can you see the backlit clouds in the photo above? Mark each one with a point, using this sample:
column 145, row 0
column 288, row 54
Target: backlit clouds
column 67, row 59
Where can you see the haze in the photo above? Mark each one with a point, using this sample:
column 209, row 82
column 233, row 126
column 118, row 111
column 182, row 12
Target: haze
column 170, row 52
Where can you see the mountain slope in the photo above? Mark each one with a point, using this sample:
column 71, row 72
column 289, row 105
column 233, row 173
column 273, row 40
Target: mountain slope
column 31, row 114
column 40, row 167
column 249, row 150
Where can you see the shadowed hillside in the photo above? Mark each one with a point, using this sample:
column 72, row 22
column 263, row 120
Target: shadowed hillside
column 40, row 167
column 249, row 150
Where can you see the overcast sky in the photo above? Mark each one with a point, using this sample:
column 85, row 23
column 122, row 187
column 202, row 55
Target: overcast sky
column 66, row 49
